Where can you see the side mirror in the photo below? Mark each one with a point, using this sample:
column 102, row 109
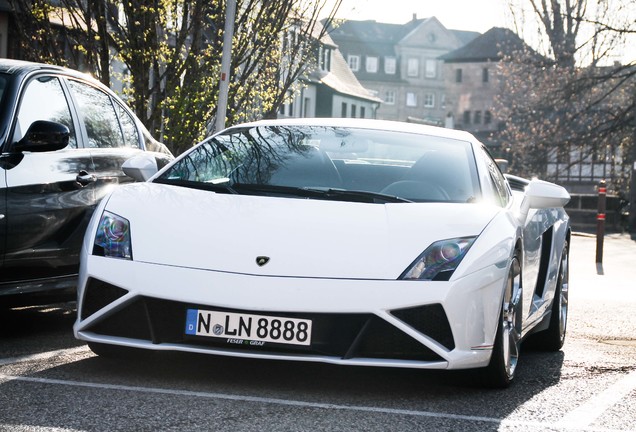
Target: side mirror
column 140, row 167
column 540, row 194
column 44, row 136
column 503, row 165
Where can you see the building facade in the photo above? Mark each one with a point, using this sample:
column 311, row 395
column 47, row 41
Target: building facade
column 473, row 82
column 399, row 63
column 330, row 89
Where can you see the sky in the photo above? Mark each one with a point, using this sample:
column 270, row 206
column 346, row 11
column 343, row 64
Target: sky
column 475, row 15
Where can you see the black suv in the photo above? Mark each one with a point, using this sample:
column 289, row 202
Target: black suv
column 63, row 140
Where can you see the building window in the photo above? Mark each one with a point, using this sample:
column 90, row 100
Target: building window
column 343, row 110
column 413, row 67
column 466, row 117
column 306, row 102
column 389, row 97
column 354, row 62
column 362, row 112
column 390, row 65
column 487, row 117
column 429, row 100
column 411, row 99
column 353, row 111
column 484, row 75
column 458, row 75
column 372, row 64
column 431, row 68
column 477, row 117
column 325, row 59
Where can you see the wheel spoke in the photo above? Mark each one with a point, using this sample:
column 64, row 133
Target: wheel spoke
column 563, row 297
column 512, row 320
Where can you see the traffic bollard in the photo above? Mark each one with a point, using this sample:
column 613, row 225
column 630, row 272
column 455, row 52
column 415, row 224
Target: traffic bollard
column 600, row 225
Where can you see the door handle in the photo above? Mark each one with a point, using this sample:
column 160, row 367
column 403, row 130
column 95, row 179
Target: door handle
column 84, row 178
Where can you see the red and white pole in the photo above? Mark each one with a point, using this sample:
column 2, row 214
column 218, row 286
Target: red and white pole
column 600, row 221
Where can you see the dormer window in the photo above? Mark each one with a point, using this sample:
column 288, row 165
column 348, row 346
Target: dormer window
column 372, row 64
column 324, row 60
column 390, row 65
column 354, row 62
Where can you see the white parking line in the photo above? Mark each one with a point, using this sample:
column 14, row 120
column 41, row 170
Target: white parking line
column 13, row 427
column 43, row 356
column 300, row 404
column 587, row 413
column 578, row 419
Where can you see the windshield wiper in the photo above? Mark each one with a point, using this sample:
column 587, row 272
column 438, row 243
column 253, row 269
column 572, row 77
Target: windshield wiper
column 223, row 185
column 275, row 189
column 321, row 193
column 212, row 186
column 359, row 195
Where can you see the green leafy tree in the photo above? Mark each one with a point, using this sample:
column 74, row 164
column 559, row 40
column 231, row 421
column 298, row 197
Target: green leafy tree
column 171, row 50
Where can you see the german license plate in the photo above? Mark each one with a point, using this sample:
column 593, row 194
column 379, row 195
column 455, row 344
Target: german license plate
column 238, row 327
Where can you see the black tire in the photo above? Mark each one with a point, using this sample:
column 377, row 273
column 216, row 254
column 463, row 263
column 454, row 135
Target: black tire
column 553, row 338
column 505, row 354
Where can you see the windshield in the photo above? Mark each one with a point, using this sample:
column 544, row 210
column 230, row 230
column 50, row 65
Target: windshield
column 331, row 163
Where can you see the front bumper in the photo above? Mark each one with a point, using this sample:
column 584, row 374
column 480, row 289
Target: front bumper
column 357, row 322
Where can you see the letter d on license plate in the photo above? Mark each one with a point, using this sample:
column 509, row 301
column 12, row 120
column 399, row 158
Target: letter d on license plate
column 262, row 328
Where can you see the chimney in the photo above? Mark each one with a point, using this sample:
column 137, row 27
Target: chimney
column 414, row 16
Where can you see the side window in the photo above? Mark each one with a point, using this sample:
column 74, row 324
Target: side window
column 128, row 128
column 43, row 99
column 498, row 180
column 98, row 115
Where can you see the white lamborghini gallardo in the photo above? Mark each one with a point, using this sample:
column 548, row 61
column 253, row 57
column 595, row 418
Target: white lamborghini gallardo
column 353, row 242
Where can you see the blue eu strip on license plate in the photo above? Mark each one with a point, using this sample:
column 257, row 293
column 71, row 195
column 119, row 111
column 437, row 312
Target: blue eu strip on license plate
column 235, row 326
column 191, row 322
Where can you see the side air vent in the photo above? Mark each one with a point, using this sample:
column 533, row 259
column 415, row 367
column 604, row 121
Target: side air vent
column 546, row 250
column 99, row 294
column 430, row 320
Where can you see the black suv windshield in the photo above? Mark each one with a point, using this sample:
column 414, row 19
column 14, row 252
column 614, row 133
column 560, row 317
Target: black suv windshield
column 337, row 163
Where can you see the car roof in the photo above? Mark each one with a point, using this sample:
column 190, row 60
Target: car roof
column 21, row 67
column 11, row 66
column 387, row 125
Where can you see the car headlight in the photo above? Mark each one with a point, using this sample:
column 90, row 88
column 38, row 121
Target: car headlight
column 439, row 260
column 113, row 237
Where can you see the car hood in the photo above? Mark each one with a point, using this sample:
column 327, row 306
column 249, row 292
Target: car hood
column 178, row 226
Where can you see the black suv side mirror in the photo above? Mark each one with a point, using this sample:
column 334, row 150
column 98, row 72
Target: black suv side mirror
column 44, row 136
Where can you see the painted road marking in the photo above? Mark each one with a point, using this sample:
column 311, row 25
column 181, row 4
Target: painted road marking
column 578, row 419
column 588, row 412
column 299, row 404
column 43, row 356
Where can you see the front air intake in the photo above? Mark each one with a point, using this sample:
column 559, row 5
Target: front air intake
column 429, row 320
column 99, row 294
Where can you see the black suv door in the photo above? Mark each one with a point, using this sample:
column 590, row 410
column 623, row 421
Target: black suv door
column 108, row 131
column 3, row 214
column 49, row 195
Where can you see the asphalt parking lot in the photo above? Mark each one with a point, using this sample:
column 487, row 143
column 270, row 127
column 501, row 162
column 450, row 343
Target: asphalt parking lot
column 51, row 382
